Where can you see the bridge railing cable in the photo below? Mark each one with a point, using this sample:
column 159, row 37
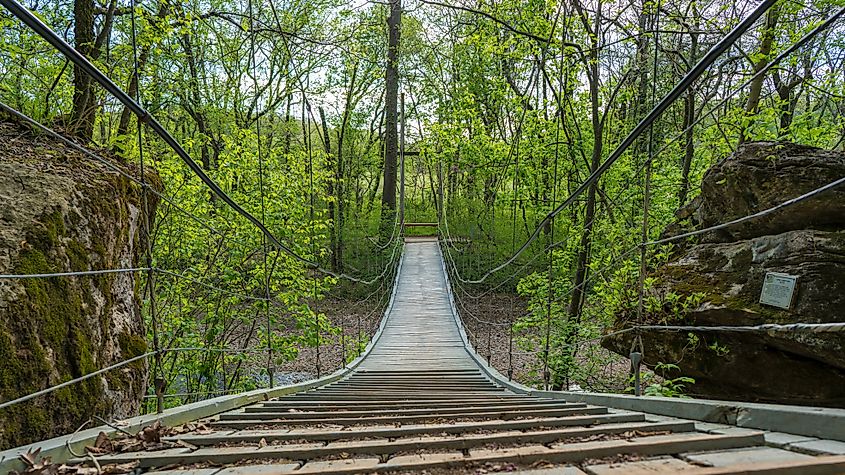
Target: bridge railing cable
column 52, row 38
column 685, row 83
column 458, row 280
column 377, row 297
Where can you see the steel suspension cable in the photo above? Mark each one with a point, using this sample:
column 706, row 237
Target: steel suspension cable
column 257, row 100
column 800, row 43
column 725, row 43
column 551, row 223
column 307, row 141
column 827, row 23
column 52, row 38
column 158, row 370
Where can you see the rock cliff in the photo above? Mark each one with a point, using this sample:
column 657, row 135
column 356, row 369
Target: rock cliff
column 717, row 280
column 64, row 212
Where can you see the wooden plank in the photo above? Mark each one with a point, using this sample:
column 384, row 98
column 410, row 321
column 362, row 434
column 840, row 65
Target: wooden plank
column 340, row 406
column 254, row 436
column 823, row 465
column 224, row 455
column 418, row 393
column 443, row 373
column 251, row 420
column 422, row 392
column 419, row 385
column 735, row 457
column 571, row 453
column 661, row 466
column 265, row 412
column 810, row 466
column 269, row 469
column 383, row 401
column 396, row 397
column 415, row 380
column 527, row 455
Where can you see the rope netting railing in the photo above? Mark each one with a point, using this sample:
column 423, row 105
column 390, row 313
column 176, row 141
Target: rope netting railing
column 233, row 297
column 532, row 337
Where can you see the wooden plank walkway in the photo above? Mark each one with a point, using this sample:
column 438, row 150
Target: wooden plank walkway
column 418, row 403
column 420, row 333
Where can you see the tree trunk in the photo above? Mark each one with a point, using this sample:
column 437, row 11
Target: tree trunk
column 391, row 141
column 583, row 259
column 339, row 168
column 766, row 43
column 331, row 185
column 84, row 102
column 288, row 125
column 143, row 57
column 195, row 108
column 787, row 97
column 689, row 119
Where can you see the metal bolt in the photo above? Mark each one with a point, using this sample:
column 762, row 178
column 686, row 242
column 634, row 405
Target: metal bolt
column 636, row 360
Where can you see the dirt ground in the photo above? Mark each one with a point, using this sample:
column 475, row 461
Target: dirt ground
column 488, row 323
column 349, row 319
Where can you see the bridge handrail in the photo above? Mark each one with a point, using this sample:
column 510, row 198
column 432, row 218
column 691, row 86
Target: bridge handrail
column 688, row 79
column 149, row 354
column 144, row 116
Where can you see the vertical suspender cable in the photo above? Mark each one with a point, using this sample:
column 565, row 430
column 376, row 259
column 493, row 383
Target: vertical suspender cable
column 266, row 279
column 636, row 358
column 550, row 284
column 158, row 371
column 307, row 127
column 402, row 163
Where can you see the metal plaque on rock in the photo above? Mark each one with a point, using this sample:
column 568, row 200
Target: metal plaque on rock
column 778, row 289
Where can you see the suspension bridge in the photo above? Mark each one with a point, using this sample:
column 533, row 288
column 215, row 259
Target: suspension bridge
column 420, row 397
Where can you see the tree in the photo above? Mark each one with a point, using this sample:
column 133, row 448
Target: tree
column 89, row 43
column 391, row 98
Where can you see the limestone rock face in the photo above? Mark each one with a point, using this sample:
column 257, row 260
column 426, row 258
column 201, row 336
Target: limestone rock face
column 761, row 175
column 64, row 212
column 718, row 281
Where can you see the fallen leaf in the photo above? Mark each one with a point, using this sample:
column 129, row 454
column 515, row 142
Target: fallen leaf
column 117, row 468
column 151, row 433
column 30, row 457
column 81, row 471
column 542, row 464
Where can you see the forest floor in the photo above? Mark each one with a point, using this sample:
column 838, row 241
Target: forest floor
column 600, row 369
column 349, row 318
column 488, row 321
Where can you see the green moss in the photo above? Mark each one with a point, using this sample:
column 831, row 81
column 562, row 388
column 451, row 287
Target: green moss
column 50, row 318
column 130, row 347
column 77, row 254
column 47, row 336
column 686, row 283
column 50, row 232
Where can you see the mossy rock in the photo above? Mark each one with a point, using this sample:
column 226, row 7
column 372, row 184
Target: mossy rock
column 56, row 329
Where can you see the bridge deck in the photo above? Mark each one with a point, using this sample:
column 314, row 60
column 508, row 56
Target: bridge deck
column 420, row 333
column 418, row 403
